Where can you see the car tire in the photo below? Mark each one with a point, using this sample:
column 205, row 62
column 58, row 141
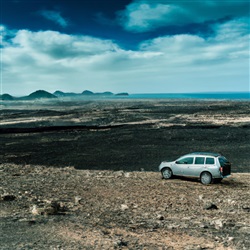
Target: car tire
column 206, row 178
column 166, row 173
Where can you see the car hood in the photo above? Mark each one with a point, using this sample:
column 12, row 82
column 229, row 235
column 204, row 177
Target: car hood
column 168, row 162
column 165, row 164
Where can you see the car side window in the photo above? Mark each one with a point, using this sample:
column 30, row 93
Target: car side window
column 210, row 160
column 187, row 160
column 199, row 160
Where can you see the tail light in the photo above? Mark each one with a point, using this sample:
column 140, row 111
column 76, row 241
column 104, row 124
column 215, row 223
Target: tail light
column 221, row 169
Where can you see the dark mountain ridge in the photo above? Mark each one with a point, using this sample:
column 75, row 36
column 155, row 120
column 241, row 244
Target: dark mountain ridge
column 7, row 97
column 42, row 94
column 39, row 94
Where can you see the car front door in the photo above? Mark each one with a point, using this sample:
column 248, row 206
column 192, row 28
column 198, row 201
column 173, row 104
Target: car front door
column 182, row 165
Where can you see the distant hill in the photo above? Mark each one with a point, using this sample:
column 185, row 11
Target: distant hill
column 39, row 94
column 107, row 93
column 90, row 93
column 122, row 94
column 59, row 93
column 6, row 97
column 87, row 92
column 104, row 93
column 42, row 94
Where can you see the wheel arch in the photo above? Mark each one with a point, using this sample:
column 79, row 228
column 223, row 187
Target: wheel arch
column 163, row 169
column 206, row 171
column 210, row 180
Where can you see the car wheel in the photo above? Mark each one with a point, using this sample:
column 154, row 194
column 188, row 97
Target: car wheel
column 166, row 173
column 206, row 178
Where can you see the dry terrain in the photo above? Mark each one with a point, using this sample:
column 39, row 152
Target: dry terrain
column 122, row 134
column 65, row 208
column 83, row 175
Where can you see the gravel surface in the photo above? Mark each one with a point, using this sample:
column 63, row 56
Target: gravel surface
column 52, row 208
column 83, row 175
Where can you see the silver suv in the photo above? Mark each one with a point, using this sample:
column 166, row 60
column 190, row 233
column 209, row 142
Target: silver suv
column 205, row 166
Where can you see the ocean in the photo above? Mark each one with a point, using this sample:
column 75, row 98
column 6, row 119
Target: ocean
column 216, row 96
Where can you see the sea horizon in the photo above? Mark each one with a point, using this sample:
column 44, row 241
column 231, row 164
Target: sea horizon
column 201, row 95
column 194, row 95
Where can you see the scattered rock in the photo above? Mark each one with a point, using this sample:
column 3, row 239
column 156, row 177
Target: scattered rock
column 210, row 206
column 51, row 208
column 8, row 197
column 160, row 217
column 201, row 197
column 119, row 174
column 230, row 238
column 27, row 220
column 127, row 174
column 139, row 212
column 35, row 210
column 124, row 207
column 246, row 208
column 77, row 200
column 218, row 224
column 121, row 243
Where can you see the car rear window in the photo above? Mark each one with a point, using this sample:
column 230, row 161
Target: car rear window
column 223, row 161
column 199, row 160
column 209, row 160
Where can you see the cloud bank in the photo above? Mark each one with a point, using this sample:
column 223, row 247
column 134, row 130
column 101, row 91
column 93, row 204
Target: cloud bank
column 148, row 15
column 176, row 63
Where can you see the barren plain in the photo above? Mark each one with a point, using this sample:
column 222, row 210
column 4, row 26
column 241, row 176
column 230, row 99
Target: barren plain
column 83, row 175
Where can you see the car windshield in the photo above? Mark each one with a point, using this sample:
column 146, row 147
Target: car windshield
column 185, row 160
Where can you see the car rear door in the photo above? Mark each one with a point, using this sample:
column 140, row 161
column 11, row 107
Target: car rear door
column 197, row 167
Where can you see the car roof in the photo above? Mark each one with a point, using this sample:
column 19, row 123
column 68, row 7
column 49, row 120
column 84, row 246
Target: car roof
column 205, row 154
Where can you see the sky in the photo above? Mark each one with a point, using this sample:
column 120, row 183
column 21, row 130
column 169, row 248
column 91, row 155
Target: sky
column 134, row 46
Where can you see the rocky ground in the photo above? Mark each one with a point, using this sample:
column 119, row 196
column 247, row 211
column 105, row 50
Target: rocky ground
column 123, row 135
column 52, row 208
column 83, row 175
